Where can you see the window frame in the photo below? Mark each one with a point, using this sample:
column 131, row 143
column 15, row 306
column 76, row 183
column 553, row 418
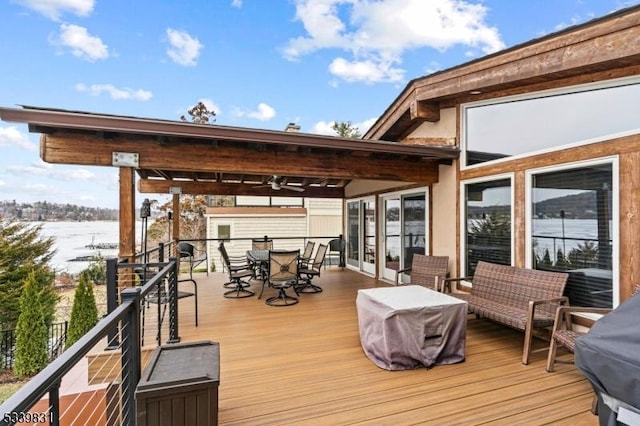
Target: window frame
column 624, row 81
column 463, row 215
column 615, row 214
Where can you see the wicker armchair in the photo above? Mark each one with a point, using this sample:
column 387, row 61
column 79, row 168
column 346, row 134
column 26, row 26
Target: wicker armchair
column 563, row 333
column 427, row 271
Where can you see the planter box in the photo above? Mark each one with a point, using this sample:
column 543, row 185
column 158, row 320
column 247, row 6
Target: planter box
column 180, row 386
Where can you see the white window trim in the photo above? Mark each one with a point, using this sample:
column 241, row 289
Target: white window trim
column 463, row 216
column 615, row 223
column 540, row 94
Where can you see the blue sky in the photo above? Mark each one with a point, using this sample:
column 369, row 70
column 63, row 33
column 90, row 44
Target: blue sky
column 256, row 63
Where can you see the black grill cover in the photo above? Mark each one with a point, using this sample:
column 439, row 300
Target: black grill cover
column 609, row 357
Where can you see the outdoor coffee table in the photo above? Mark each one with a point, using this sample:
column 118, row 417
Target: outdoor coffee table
column 411, row 326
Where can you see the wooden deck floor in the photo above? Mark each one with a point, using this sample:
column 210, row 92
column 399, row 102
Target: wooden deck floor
column 304, row 365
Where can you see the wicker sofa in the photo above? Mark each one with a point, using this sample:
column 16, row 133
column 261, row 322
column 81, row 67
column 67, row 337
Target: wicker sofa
column 524, row 299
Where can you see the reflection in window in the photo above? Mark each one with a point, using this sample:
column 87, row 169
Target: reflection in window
column 567, row 118
column 353, row 232
column 369, row 226
column 414, row 232
column 488, row 223
column 571, row 230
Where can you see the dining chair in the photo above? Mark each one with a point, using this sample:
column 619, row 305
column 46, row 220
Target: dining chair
column 160, row 296
column 335, row 250
column 310, row 271
column 194, row 257
column 283, row 274
column 262, row 244
column 238, row 273
column 305, row 257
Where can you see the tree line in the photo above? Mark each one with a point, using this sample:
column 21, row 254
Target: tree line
column 44, row 211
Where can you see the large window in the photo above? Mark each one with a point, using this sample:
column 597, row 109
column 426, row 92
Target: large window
column 487, row 223
column 572, row 229
column 518, row 125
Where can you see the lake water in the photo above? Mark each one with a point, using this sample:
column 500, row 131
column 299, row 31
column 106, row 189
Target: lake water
column 72, row 238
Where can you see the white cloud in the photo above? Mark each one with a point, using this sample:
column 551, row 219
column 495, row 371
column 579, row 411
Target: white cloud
column 52, row 9
column 236, row 3
column 114, row 92
column 82, row 44
column 42, row 169
column 326, row 127
column 368, row 71
column 377, row 34
column 3, row 184
column 183, row 49
column 11, row 136
column 263, row 113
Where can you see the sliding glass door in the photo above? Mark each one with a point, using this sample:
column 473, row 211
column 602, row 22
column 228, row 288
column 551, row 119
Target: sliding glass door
column 404, row 230
column 361, row 234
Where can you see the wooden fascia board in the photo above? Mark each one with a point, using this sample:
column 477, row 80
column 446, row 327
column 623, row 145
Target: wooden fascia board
column 83, row 149
column 607, row 40
column 606, row 48
column 48, row 121
column 152, row 186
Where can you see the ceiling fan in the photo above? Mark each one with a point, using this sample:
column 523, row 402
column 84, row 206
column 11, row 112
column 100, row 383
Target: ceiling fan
column 275, row 183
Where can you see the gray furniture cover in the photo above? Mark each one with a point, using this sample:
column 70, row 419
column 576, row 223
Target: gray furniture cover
column 411, row 326
column 609, row 357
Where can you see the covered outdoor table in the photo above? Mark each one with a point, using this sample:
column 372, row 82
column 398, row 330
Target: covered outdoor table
column 609, row 357
column 411, row 326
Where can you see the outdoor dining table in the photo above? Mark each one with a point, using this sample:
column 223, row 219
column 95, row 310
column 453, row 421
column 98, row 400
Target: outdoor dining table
column 411, row 326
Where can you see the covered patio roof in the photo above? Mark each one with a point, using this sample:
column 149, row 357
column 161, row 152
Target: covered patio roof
column 175, row 156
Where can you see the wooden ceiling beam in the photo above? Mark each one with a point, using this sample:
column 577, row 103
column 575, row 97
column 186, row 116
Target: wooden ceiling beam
column 150, row 186
column 86, row 149
column 424, row 111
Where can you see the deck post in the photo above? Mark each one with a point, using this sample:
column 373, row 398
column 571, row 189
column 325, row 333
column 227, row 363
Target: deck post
column 131, row 358
column 112, row 300
column 173, row 302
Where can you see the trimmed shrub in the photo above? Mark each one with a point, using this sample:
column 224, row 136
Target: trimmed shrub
column 84, row 313
column 31, row 331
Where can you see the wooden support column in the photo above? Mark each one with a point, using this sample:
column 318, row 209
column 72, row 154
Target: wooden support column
column 519, row 219
column 127, row 214
column 629, row 217
column 176, row 217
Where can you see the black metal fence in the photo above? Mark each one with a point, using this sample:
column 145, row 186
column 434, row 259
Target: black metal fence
column 56, row 342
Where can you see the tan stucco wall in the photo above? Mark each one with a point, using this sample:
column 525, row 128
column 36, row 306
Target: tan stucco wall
column 443, row 223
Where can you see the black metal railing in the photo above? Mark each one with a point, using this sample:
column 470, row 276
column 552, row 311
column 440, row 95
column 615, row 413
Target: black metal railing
column 123, row 325
column 56, row 341
column 242, row 244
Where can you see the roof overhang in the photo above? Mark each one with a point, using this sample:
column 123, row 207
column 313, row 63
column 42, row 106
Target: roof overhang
column 603, row 48
column 225, row 160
